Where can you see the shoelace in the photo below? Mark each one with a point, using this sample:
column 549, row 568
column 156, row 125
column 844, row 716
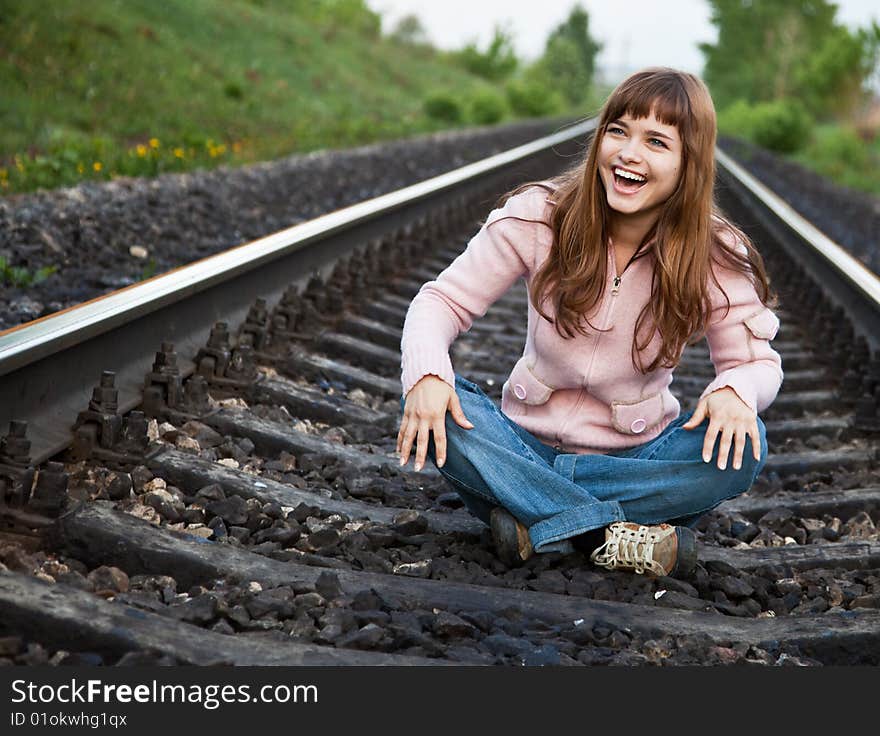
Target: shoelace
column 629, row 548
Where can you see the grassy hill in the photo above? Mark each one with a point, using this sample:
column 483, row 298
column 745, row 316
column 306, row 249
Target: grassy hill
column 93, row 88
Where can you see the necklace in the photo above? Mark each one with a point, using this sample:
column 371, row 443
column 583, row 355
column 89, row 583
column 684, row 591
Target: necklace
column 615, row 284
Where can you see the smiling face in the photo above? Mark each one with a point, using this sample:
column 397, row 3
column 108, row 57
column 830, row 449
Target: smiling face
column 640, row 162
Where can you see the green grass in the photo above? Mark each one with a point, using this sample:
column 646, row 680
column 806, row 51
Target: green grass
column 94, row 89
column 833, row 149
column 837, row 151
column 21, row 277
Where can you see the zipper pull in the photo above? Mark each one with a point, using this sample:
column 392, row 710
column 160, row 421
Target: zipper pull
column 615, row 285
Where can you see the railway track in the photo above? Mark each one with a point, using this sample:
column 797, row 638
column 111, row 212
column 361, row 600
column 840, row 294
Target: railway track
column 201, row 469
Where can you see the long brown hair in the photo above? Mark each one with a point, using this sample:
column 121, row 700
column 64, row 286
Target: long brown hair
column 689, row 233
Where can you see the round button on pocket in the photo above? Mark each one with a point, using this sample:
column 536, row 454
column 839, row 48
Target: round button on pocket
column 638, row 425
column 519, row 391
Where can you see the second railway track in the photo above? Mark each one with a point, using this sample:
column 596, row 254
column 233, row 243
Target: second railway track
column 238, row 500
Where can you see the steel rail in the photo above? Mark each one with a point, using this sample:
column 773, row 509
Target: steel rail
column 48, row 367
column 848, row 282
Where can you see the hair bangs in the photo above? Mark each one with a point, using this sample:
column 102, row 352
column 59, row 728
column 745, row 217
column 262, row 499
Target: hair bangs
column 647, row 92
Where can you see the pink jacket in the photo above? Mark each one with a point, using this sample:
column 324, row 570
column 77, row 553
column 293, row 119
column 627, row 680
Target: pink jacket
column 582, row 395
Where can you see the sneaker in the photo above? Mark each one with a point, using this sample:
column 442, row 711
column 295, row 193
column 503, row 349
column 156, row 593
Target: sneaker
column 657, row 550
column 512, row 543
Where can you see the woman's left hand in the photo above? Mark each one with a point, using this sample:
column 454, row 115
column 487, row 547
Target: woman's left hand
column 733, row 419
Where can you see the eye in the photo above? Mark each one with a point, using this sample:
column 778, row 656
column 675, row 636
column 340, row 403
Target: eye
column 658, row 142
column 614, row 129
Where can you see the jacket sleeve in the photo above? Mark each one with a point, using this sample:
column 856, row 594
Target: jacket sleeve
column 500, row 253
column 739, row 342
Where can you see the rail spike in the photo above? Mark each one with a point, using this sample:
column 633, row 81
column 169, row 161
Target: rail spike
column 101, row 432
column 255, row 330
column 28, row 496
column 163, row 385
column 16, row 472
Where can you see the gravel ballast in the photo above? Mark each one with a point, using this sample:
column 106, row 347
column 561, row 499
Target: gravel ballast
column 102, row 236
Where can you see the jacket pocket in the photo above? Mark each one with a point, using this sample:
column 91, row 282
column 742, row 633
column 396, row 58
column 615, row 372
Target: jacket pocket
column 525, row 386
column 636, row 417
column 763, row 324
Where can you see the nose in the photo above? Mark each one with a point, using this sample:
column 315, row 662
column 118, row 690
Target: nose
column 630, row 150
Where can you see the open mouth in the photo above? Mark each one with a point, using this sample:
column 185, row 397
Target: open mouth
column 627, row 182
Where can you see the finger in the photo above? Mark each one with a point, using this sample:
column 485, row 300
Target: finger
column 738, row 448
column 422, row 448
column 402, row 431
column 709, row 441
column 408, row 438
column 756, row 441
column 724, row 447
column 458, row 414
column 698, row 416
column 440, row 442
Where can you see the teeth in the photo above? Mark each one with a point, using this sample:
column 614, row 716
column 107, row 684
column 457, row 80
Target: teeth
column 629, row 175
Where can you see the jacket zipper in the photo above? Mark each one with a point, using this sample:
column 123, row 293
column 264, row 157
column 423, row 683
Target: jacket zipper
column 615, row 288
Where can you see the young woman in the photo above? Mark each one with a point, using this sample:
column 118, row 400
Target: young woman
column 627, row 260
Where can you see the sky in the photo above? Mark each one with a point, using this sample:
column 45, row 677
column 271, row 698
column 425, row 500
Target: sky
column 635, row 33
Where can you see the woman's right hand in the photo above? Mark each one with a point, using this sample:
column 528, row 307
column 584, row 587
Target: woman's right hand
column 424, row 411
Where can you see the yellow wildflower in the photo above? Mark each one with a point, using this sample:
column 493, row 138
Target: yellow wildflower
column 154, row 142
column 80, row 168
column 97, row 166
column 221, row 148
column 236, row 147
column 141, row 150
column 178, row 152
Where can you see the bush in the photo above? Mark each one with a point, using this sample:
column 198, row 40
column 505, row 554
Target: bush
column 839, row 153
column 784, row 126
column 487, row 108
column 844, row 147
column 498, row 62
column 532, row 99
column 737, row 120
column 443, row 107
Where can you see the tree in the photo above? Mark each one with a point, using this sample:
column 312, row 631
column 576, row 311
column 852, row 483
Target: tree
column 576, row 31
column 775, row 49
column 495, row 64
column 409, row 31
column 569, row 59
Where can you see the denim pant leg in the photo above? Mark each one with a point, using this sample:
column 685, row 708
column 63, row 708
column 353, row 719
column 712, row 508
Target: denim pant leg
column 666, row 480
column 498, row 463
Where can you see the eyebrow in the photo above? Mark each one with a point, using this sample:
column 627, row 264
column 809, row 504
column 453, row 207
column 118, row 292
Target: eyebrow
column 649, row 132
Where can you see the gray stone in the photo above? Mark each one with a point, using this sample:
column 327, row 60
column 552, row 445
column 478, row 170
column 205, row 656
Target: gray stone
column 109, row 579
column 212, row 492
column 327, row 585
column 680, row 586
column 866, row 601
column 232, row 510
column 549, row 581
column 199, row 610
column 279, row 601
column 368, row 637
column 409, row 522
column 448, row 625
column 504, row 645
column 119, row 486
column 545, row 656
column 733, row 586
column 674, row 599
column 419, row 569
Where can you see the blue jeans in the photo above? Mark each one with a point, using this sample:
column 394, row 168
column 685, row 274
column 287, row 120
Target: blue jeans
column 559, row 495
